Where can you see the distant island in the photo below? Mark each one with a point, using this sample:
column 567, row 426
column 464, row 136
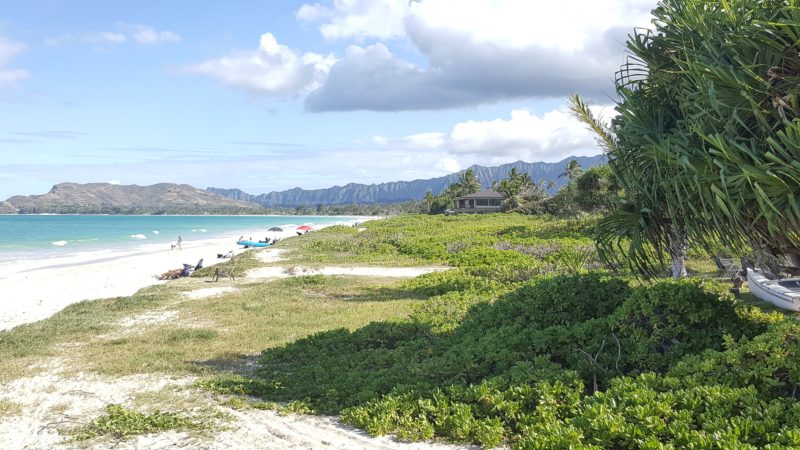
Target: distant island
column 105, row 198
column 168, row 198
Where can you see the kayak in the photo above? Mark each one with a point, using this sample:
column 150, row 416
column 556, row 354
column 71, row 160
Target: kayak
column 253, row 244
column 783, row 293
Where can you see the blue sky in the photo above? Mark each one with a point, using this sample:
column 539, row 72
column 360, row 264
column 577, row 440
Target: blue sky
column 271, row 95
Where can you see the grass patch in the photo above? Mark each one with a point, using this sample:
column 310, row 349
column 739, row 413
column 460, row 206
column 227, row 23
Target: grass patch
column 224, row 332
column 9, row 408
column 22, row 347
column 242, row 263
column 121, row 423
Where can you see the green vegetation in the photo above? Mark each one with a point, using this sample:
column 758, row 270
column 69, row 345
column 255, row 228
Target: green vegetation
column 706, row 143
column 532, row 339
column 584, row 360
column 518, row 344
column 121, row 423
column 501, row 354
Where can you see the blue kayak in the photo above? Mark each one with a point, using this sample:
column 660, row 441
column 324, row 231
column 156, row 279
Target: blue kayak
column 253, row 244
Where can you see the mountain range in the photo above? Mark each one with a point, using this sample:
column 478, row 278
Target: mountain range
column 185, row 199
column 400, row 191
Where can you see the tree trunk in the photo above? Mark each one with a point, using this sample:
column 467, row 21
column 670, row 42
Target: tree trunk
column 677, row 252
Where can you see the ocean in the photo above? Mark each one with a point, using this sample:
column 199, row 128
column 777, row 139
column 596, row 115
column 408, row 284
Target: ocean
column 65, row 239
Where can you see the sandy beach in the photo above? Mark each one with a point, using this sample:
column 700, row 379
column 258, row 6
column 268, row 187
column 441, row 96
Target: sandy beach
column 32, row 291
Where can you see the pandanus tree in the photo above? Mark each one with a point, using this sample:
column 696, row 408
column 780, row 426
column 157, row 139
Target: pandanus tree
column 707, row 141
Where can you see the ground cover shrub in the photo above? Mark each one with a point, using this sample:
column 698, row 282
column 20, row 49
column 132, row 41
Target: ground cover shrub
column 445, row 312
column 650, row 411
column 659, row 324
column 581, row 361
column 339, row 229
column 453, row 280
column 770, row 362
column 560, row 300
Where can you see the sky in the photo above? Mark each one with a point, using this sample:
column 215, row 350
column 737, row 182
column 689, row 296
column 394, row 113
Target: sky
column 271, row 95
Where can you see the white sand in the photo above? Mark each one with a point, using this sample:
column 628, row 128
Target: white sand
column 39, row 293
column 31, row 292
column 52, row 401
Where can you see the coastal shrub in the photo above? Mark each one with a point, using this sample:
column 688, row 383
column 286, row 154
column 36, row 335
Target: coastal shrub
column 650, row 411
column 585, row 361
column 659, row 324
column 453, row 280
column 339, row 229
column 486, row 256
column 770, row 362
column 559, row 300
column 445, row 312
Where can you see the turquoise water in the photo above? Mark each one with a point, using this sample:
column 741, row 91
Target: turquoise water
column 42, row 236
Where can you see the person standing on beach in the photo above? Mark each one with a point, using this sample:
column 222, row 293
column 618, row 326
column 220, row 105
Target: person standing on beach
column 180, row 239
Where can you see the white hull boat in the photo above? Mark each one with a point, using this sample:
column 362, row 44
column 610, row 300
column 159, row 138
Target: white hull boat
column 784, row 294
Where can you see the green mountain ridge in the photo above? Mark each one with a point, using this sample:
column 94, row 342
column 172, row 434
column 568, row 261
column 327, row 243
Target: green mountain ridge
column 106, row 197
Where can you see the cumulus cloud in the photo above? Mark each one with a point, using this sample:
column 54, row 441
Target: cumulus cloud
column 448, row 165
column 358, row 18
column 8, row 50
column 271, row 69
column 477, row 52
column 525, row 135
column 141, row 34
column 550, row 136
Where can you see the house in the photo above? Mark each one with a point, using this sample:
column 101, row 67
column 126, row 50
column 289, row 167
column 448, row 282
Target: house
column 479, row 202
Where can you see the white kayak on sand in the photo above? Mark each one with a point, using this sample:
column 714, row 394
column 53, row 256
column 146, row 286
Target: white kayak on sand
column 784, row 293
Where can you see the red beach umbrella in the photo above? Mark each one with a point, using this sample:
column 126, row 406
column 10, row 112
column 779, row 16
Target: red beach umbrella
column 305, row 228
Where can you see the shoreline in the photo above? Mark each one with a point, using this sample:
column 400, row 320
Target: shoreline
column 34, row 292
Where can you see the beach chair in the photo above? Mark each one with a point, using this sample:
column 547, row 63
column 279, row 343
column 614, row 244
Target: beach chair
column 225, row 272
column 728, row 267
column 199, row 265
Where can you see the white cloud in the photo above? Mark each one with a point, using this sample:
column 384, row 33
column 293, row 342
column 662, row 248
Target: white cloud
column 272, row 69
column 145, row 34
column 448, row 165
column 425, row 140
column 103, row 37
column 8, row 50
column 141, row 34
column 477, row 52
column 358, row 18
column 550, row 136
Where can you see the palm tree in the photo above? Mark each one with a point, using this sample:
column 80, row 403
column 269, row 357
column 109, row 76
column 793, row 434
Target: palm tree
column 572, row 171
column 514, row 184
column 428, row 201
column 468, row 182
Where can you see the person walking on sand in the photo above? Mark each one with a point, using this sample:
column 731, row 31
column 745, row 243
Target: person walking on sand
column 178, row 244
